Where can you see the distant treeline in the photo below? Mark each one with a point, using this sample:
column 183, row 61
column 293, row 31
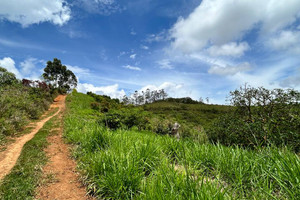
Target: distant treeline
column 148, row 96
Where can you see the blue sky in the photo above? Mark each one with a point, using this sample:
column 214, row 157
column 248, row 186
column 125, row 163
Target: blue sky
column 188, row 47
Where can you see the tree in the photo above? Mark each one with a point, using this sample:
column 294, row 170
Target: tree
column 147, row 95
column 207, row 100
column 260, row 117
column 201, row 100
column 7, row 78
column 135, row 97
column 163, row 94
column 125, row 100
column 59, row 76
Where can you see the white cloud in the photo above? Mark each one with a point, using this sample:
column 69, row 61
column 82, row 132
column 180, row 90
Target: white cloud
column 229, row 70
column 167, row 86
column 132, row 56
column 165, row 64
column 230, row 49
column 29, row 69
column 132, row 32
column 132, row 68
column 35, row 11
column 161, row 36
column 172, row 89
column 286, row 40
column 218, row 22
column 292, row 81
column 144, row 47
column 110, row 90
column 11, row 43
column 9, row 64
column 78, row 71
column 102, row 7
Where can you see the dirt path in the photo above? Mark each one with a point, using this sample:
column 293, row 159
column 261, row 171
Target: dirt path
column 64, row 181
column 9, row 157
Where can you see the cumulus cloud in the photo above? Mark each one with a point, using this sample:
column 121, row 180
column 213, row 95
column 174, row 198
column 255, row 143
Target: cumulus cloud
column 9, row 64
column 110, row 90
column 286, row 40
column 35, row 11
column 229, row 49
column 165, row 64
column 172, row 89
column 229, row 70
column 32, row 68
column 166, row 86
column 132, row 68
column 221, row 21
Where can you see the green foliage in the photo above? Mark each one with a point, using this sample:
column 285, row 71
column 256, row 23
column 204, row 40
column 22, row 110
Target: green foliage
column 7, row 78
column 193, row 115
column 95, row 106
column 59, row 76
column 132, row 164
column 19, row 104
column 126, row 118
column 262, row 117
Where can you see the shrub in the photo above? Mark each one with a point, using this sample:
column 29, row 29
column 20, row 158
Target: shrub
column 262, row 117
column 7, row 78
column 95, row 106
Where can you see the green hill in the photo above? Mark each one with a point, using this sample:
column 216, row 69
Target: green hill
column 195, row 114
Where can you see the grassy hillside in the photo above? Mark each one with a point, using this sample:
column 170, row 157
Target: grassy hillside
column 133, row 164
column 20, row 104
column 195, row 114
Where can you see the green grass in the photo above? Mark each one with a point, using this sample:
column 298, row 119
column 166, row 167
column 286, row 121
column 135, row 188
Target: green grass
column 193, row 114
column 25, row 176
column 142, row 165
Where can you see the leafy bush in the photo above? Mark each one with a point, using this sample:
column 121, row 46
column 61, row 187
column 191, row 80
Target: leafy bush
column 261, row 117
column 95, row 106
column 125, row 118
column 7, row 78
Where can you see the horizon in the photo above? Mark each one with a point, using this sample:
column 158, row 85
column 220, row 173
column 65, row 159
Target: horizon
column 188, row 48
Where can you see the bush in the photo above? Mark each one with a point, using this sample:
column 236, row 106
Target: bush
column 7, row 78
column 125, row 118
column 95, row 106
column 262, row 117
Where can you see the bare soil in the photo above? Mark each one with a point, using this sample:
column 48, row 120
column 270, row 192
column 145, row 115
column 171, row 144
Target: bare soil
column 60, row 178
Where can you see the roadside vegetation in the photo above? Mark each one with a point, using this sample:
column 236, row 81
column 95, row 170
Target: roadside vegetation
column 26, row 175
column 123, row 161
column 22, row 101
column 19, row 103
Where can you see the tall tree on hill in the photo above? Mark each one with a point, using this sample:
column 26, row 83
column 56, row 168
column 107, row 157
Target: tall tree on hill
column 163, row 94
column 59, row 76
column 147, row 96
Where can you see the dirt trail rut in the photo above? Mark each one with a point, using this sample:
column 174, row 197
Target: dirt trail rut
column 9, row 157
column 64, row 183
